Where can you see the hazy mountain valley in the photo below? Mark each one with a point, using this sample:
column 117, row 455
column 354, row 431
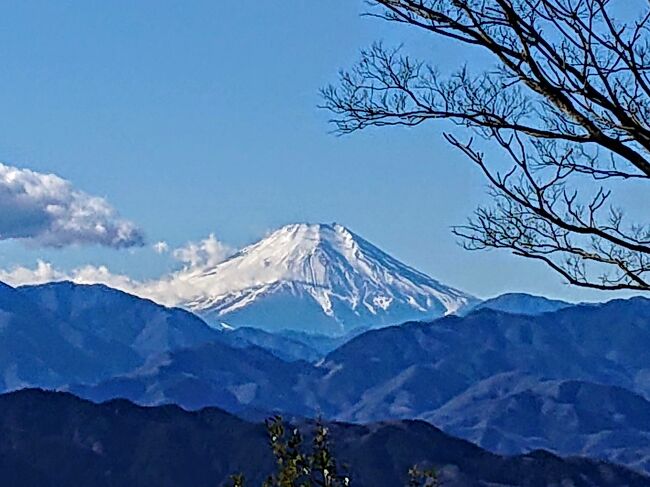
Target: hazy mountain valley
column 514, row 375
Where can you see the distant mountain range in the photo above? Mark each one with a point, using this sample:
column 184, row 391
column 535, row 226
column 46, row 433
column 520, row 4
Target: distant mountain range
column 455, row 372
column 287, row 344
column 55, row 334
column 320, row 279
column 574, row 380
column 139, row 325
column 519, row 303
column 38, row 347
column 55, row 439
column 240, row 380
column 510, row 413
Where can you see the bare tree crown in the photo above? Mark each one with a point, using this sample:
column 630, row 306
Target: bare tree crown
column 567, row 105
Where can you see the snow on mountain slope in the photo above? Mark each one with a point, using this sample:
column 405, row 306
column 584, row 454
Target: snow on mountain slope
column 318, row 278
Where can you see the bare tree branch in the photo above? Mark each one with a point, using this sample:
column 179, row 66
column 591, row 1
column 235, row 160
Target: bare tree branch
column 567, row 104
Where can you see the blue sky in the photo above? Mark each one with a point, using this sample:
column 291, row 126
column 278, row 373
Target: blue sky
column 199, row 117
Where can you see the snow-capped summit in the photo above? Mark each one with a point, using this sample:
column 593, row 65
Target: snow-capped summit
column 318, row 278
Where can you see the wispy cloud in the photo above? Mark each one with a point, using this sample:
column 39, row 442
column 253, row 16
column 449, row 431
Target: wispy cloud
column 46, row 210
column 170, row 289
column 206, row 252
column 160, row 247
column 43, row 272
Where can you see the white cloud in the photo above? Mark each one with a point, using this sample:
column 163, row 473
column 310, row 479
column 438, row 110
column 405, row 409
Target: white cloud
column 47, row 210
column 170, row 289
column 43, row 272
column 160, row 290
column 205, row 253
column 160, row 247
column 91, row 274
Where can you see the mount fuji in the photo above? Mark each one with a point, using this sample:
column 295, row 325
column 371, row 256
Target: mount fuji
column 321, row 279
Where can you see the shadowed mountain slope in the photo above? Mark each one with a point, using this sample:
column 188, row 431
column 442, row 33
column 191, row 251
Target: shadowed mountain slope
column 38, row 347
column 510, row 414
column 62, row 333
column 143, row 326
column 520, row 303
column 56, row 439
column 406, row 370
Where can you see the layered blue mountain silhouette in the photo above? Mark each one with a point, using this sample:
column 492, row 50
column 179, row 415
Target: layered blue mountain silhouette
column 60, row 333
column 57, row 439
column 510, row 413
column 532, row 374
column 519, row 303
